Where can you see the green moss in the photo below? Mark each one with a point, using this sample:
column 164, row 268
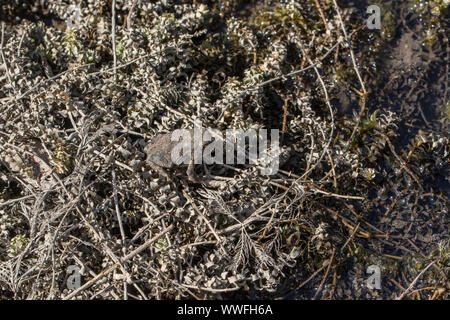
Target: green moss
column 344, row 73
column 435, row 7
column 431, row 12
column 388, row 25
column 276, row 22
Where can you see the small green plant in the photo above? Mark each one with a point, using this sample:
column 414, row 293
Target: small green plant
column 17, row 245
column 369, row 122
column 161, row 244
column 71, row 43
column 120, row 50
column 63, row 161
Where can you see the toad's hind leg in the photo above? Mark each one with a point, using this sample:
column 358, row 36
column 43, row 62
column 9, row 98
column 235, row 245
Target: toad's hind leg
column 192, row 176
column 191, row 172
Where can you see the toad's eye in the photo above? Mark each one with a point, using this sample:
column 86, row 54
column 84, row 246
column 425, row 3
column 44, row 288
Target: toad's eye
column 155, row 158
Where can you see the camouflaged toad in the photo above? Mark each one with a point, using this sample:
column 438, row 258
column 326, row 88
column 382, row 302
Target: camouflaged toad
column 159, row 156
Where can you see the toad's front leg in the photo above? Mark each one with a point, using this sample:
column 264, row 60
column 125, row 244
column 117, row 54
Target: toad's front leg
column 160, row 170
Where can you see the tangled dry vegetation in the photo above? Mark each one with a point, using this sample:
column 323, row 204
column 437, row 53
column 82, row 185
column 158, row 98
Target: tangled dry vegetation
column 76, row 115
